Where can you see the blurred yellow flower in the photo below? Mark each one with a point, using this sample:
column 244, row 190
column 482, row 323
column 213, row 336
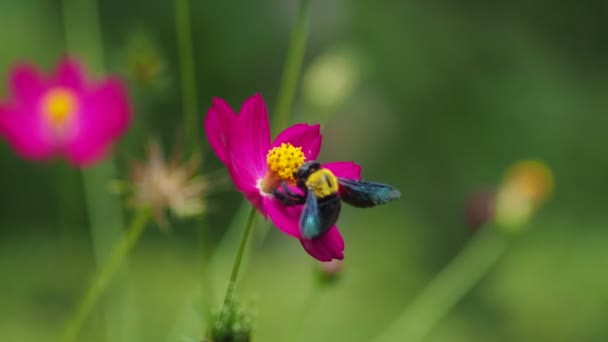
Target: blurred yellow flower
column 332, row 78
column 527, row 185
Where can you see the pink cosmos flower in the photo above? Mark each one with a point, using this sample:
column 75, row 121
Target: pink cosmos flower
column 63, row 114
column 258, row 166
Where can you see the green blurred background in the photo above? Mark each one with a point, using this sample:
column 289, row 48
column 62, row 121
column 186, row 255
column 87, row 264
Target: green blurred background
column 435, row 97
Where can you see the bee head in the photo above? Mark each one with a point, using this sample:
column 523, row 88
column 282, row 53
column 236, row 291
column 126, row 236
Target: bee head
column 306, row 170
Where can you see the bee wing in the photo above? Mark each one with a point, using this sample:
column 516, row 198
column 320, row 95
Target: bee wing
column 364, row 194
column 310, row 220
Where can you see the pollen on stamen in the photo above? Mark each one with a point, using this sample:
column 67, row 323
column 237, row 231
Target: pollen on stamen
column 285, row 160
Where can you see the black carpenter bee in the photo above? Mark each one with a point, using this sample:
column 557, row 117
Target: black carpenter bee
column 323, row 196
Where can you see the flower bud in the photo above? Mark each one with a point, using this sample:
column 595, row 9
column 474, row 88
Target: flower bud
column 329, row 272
column 526, row 186
column 234, row 324
column 144, row 62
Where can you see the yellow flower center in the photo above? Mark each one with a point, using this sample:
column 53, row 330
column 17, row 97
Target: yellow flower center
column 59, row 106
column 283, row 161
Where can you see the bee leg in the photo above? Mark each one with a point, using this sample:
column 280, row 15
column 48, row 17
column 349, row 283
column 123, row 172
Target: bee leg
column 288, row 197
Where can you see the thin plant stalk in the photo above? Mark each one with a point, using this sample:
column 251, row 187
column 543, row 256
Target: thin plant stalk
column 448, row 287
column 237, row 263
column 187, row 71
column 84, row 39
column 292, row 68
column 185, row 46
column 105, row 275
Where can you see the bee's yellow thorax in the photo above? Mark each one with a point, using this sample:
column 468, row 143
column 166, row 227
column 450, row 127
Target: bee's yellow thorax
column 323, row 182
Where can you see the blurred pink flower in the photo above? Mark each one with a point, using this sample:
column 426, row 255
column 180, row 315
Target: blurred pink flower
column 63, row 114
column 257, row 165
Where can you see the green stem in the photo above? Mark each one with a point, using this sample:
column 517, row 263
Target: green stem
column 448, row 287
column 105, row 275
column 188, row 75
column 84, row 39
column 237, row 263
column 83, row 32
column 291, row 70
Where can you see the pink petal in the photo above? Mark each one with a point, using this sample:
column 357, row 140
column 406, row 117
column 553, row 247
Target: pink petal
column 257, row 200
column 103, row 117
column 344, row 169
column 306, row 136
column 70, row 75
column 249, row 144
column 113, row 105
column 219, row 123
column 327, row 247
column 285, row 218
column 27, row 86
column 24, row 132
